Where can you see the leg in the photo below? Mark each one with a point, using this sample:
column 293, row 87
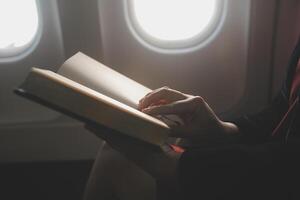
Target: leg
column 114, row 177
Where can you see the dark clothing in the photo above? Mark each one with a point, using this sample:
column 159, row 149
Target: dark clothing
column 260, row 166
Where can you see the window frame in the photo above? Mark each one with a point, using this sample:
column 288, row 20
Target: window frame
column 16, row 54
column 192, row 43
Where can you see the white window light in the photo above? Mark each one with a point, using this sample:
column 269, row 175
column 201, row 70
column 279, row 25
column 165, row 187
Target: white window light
column 19, row 25
column 174, row 23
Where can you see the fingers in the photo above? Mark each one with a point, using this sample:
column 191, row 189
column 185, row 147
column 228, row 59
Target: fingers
column 172, row 108
column 161, row 96
column 178, row 107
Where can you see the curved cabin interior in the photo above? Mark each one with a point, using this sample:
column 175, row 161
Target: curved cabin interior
column 231, row 53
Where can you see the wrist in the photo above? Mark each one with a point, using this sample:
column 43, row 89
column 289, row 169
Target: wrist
column 228, row 128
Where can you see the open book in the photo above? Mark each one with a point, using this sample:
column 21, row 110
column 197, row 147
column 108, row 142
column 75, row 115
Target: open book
column 92, row 92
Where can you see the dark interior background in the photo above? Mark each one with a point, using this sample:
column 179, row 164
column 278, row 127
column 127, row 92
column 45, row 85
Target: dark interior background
column 44, row 180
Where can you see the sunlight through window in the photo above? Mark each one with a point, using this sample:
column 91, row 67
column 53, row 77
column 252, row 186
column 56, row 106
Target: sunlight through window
column 173, row 20
column 18, row 22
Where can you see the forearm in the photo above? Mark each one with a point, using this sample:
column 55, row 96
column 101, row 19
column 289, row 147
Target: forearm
column 257, row 128
column 225, row 132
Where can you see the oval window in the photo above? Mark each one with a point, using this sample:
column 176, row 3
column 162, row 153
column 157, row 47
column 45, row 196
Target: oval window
column 19, row 25
column 174, row 23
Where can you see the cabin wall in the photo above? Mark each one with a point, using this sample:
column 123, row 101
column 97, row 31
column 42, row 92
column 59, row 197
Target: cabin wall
column 286, row 36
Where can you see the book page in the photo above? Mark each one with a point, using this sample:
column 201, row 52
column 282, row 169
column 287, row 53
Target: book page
column 94, row 75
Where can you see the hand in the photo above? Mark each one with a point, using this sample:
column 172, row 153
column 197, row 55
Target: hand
column 199, row 119
column 160, row 162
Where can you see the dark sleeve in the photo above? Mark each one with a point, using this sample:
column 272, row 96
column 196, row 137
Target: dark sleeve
column 254, row 169
column 239, row 171
column 258, row 127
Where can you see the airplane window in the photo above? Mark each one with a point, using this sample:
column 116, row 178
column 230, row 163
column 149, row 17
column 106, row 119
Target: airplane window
column 19, row 25
column 169, row 23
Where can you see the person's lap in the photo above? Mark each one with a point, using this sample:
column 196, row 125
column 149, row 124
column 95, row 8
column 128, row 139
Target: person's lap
column 114, row 177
